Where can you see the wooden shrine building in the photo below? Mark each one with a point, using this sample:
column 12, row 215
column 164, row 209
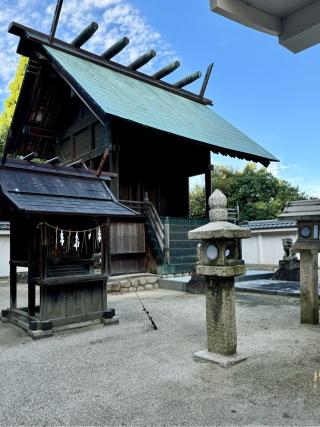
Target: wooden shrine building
column 60, row 230
column 74, row 104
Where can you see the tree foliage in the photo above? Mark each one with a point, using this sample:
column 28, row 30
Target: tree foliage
column 11, row 101
column 260, row 194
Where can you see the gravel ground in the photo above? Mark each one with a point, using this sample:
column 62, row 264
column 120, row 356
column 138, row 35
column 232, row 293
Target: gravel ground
column 132, row 375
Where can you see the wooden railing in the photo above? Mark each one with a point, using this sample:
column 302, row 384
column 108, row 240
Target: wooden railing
column 147, row 209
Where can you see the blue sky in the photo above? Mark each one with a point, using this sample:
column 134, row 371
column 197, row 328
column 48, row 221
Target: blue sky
column 263, row 89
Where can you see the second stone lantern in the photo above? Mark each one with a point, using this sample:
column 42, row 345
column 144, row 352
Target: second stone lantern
column 219, row 262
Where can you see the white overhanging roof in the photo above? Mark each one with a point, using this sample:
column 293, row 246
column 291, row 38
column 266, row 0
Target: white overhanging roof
column 295, row 22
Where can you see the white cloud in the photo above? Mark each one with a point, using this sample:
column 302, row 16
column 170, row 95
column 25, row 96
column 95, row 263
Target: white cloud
column 116, row 18
column 313, row 190
column 283, row 170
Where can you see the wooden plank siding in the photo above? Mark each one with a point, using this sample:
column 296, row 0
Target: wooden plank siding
column 81, row 133
column 127, row 247
column 127, row 238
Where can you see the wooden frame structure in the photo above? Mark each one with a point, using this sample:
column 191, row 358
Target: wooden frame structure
column 67, row 212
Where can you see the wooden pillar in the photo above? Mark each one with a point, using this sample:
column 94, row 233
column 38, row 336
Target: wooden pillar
column 13, row 286
column 309, row 287
column 31, row 291
column 208, row 185
column 105, row 259
column 31, row 299
column 114, row 167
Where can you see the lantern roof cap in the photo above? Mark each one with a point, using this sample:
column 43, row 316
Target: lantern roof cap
column 218, row 227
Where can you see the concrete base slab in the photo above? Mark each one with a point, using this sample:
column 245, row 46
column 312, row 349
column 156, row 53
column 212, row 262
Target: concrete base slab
column 77, row 325
column 37, row 335
column 224, row 361
column 113, row 321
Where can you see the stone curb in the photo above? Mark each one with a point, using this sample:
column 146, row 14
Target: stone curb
column 268, row 291
column 133, row 284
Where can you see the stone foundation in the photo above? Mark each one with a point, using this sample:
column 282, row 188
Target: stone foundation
column 169, row 276
column 133, row 283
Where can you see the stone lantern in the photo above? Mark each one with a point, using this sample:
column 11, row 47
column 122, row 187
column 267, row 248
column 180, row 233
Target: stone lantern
column 307, row 215
column 218, row 262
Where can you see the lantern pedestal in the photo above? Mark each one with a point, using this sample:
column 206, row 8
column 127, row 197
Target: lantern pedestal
column 221, row 324
column 309, row 311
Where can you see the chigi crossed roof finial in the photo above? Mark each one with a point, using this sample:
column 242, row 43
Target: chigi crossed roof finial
column 113, row 50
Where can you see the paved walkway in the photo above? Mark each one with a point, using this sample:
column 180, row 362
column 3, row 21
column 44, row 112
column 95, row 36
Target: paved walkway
column 254, row 281
column 273, row 287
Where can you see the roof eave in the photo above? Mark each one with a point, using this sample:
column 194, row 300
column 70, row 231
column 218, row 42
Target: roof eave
column 297, row 31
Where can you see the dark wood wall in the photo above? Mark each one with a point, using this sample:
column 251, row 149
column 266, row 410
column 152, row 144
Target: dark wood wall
column 159, row 164
column 147, row 162
column 81, row 135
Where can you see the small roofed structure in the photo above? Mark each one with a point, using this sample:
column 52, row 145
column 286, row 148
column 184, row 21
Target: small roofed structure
column 59, row 229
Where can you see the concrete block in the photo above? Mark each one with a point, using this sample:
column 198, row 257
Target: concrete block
column 109, row 322
column 219, row 359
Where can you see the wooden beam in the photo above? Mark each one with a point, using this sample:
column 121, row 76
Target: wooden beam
column 115, row 48
column 85, row 35
column 39, row 132
column 188, row 79
column 103, row 161
column 55, row 20
column 208, row 183
column 206, row 80
column 166, row 70
column 142, row 60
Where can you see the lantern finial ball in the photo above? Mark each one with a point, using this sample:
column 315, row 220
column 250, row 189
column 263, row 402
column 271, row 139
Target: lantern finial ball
column 218, row 206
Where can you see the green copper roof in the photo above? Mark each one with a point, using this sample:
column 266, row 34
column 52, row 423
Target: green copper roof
column 126, row 97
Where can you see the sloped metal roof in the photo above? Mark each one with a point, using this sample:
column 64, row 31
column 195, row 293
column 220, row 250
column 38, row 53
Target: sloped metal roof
column 40, row 189
column 119, row 95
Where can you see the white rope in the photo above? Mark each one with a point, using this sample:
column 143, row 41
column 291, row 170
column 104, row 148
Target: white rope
column 88, row 230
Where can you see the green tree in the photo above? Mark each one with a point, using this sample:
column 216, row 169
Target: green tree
column 197, row 201
column 260, row 194
column 11, row 101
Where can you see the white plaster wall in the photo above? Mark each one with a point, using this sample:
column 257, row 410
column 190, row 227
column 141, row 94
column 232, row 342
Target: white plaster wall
column 264, row 247
column 4, row 252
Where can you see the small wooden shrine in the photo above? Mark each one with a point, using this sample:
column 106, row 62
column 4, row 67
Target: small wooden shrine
column 59, row 229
